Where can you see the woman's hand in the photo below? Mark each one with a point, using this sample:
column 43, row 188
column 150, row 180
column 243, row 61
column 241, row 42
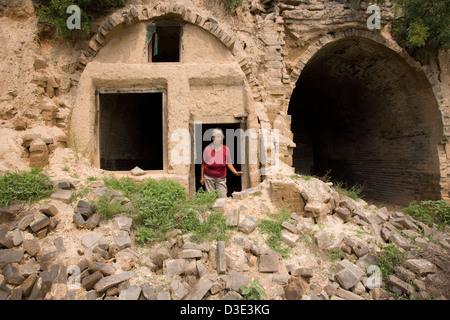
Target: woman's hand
column 238, row 173
column 202, row 181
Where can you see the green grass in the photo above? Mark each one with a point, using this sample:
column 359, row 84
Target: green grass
column 352, row 192
column 24, row 186
column 161, row 206
column 430, row 212
column 389, row 258
column 110, row 209
column 272, row 227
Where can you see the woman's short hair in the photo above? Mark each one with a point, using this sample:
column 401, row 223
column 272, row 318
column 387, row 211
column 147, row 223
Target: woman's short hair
column 217, row 132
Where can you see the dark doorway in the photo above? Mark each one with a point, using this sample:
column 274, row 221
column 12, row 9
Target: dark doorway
column 362, row 116
column 131, row 131
column 233, row 182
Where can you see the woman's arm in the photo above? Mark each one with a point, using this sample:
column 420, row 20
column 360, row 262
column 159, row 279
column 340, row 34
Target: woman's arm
column 232, row 169
column 202, row 181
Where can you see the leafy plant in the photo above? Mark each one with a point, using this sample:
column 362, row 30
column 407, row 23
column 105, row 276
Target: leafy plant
column 272, row 227
column 231, row 4
column 54, row 13
column 25, row 186
column 160, row 206
column 108, row 208
column 430, row 212
column 389, row 258
column 420, row 26
column 253, row 291
column 352, row 192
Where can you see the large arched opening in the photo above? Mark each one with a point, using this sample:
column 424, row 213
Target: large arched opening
column 361, row 113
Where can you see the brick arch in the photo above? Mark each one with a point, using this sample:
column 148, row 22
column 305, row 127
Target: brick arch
column 363, row 33
column 135, row 14
column 423, row 77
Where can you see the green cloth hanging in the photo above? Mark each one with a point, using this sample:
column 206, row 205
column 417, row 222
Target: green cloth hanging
column 155, row 48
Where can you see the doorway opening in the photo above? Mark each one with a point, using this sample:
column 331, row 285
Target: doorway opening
column 131, row 131
column 234, row 183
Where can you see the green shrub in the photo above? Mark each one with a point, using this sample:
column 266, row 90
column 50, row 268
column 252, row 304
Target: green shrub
column 109, row 209
column 430, row 212
column 253, row 291
column 231, row 4
column 160, row 206
column 352, row 192
column 53, row 13
column 24, row 186
column 272, row 227
column 389, row 258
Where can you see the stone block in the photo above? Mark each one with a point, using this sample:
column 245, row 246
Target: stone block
column 90, row 281
column 111, row 281
column 289, row 238
column 39, row 223
column 221, row 257
column 173, row 267
column 10, row 256
column 130, row 292
column 49, row 210
column 268, row 263
column 346, row 278
column 421, row 267
column 199, row 290
column 190, row 254
column 232, row 217
column 62, row 195
column 248, row 224
column 322, row 239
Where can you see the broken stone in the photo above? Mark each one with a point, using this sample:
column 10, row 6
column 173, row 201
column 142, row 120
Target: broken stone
column 221, row 257
column 148, row 293
column 16, row 237
column 130, row 292
column 344, row 214
column 62, row 195
column 121, row 239
column 123, row 223
column 38, row 153
column 303, row 272
column 189, row 254
column 347, row 295
column 28, row 284
column 163, row 295
column 90, row 281
column 346, row 278
column 92, row 222
column 173, row 267
column 9, row 256
column 49, row 209
column 268, row 263
column 421, row 267
column 232, row 295
column 248, row 224
column 29, row 268
column 289, row 238
column 235, row 280
column 400, row 284
column 281, row 278
column 136, row 171
column 232, row 217
column 322, row 239
column 25, row 221
column 41, row 222
column 295, row 289
column 42, row 286
column 361, row 252
column 90, row 239
column 345, row 264
column 46, row 256
column 111, row 281
column 178, row 290
column 400, row 241
column 12, row 275
column 159, row 255
column 199, row 290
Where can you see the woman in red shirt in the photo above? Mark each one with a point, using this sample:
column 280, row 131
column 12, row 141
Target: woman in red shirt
column 216, row 159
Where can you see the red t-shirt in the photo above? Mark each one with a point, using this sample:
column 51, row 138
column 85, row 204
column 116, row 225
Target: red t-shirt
column 216, row 161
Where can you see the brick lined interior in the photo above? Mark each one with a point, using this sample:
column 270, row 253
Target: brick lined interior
column 361, row 111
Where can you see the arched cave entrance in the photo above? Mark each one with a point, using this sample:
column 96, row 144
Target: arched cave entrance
column 361, row 111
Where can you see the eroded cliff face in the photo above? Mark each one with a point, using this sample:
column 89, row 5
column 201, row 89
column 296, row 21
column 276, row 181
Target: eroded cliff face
column 274, row 43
